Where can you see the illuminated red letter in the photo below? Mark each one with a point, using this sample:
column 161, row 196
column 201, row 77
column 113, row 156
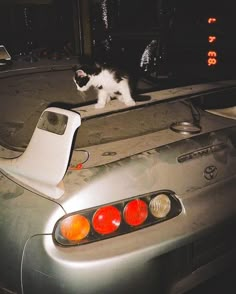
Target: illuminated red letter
column 211, row 39
column 212, row 61
column 212, row 54
column 211, row 19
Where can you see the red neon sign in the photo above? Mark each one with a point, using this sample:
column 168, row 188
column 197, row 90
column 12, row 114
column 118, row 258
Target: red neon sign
column 211, row 54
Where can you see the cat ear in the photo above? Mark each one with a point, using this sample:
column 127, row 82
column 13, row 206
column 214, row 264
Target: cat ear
column 81, row 73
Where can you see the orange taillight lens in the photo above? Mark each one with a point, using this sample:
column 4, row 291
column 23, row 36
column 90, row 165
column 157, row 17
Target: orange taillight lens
column 106, row 220
column 75, row 227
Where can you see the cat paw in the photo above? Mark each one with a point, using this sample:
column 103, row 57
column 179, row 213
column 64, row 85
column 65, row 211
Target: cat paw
column 99, row 105
column 130, row 103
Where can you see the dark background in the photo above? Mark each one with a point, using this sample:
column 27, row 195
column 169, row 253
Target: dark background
column 174, row 34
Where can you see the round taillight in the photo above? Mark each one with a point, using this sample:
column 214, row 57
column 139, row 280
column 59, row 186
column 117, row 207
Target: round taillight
column 135, row 212
column 106, row 220
column 75, row 227
column 160, row 206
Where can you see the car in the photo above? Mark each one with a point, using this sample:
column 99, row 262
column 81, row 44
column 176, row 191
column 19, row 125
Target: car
column 137, row 199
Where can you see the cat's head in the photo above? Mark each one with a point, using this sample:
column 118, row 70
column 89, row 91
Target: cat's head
column 83, row 75
column 81, row 79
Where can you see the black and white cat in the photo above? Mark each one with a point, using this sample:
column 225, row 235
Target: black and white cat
column 108, row 81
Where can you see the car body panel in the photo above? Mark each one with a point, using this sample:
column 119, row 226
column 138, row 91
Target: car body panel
column 153, row 170
column 145, row 129
column 21, row 218
column 131, row 261
column 200, row 168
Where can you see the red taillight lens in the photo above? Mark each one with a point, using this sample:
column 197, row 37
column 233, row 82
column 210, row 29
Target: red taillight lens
column 106, row 220
column 135, row 212
column 75, row 227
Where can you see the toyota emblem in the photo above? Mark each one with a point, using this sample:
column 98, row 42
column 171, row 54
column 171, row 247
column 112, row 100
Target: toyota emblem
column 210, row 172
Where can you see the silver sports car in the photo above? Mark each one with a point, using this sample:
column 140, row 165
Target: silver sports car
column 123, row 199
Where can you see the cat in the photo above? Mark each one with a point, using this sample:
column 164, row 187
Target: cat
column 110, row 83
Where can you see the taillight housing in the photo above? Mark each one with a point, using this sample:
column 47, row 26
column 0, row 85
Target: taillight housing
column 116, row 218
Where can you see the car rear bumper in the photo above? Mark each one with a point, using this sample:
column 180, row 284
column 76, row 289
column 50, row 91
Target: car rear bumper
column 159, row 256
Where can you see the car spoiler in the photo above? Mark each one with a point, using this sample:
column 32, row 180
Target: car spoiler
column 179, row 93
column 43, row 164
